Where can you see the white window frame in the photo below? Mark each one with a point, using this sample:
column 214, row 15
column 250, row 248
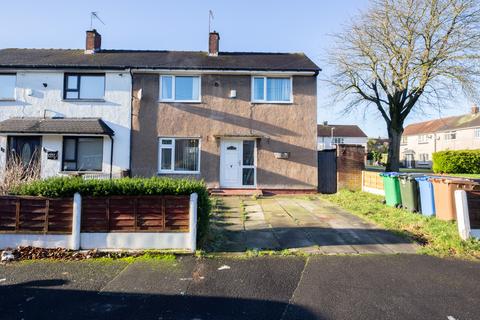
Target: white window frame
column 476, row 133
column 173, row 88
column 404, row 140
column 423, row 157
column 423, row 138
column 336, row 139
column 448, row 135
column 252, row 91
column 14, row 98
column 172, row 146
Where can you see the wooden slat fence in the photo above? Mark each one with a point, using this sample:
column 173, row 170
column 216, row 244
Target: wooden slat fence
column 35, row 214
column 135, row 214
column 372, row 179
column 473, row 198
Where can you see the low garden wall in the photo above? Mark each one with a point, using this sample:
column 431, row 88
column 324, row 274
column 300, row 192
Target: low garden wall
column 123, row 214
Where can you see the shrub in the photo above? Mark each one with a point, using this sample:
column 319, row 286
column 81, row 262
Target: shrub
column 67, row 186
column 460, row 161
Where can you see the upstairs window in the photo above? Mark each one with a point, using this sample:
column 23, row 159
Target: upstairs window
column 477, row 133
column 84, row 86
column 451, row 135
column 404, row 140
column 338, row 140
column 180, row 88
column 423, row 138
column 272, row 90
column 7, row 86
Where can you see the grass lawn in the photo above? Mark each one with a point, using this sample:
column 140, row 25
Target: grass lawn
column 438, row 238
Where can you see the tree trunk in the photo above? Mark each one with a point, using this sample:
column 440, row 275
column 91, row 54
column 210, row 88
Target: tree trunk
column 395, row 135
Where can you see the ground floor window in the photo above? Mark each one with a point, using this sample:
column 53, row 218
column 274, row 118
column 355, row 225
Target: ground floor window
column 179, row 155
column 423, row 157
column 82, row 154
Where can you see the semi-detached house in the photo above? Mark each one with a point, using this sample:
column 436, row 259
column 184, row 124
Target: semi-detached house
column 236, row 120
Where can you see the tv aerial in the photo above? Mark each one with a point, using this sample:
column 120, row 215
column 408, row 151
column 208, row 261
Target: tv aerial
column 94, row 17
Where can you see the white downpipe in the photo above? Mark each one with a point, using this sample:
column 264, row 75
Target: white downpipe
column 193, row 221
column 463, row 218
column 76, row 221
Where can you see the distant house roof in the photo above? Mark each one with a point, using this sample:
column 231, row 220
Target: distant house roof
column 56, row 126
column 123, row 59
column 445, row 124
column 340, row 130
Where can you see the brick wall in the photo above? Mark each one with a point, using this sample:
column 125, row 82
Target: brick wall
column 350, row 163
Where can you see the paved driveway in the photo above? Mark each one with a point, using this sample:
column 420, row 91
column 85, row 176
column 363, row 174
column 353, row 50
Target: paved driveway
column 298, row 223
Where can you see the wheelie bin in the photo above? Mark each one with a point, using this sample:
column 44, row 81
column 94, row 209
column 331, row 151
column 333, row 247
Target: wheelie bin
column 443, row 189
column 409, row 191
column 427, row 202
column 391, row 186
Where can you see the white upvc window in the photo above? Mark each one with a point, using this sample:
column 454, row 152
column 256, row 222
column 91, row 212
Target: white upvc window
column 272, row 89
column 180, row 88
column 338, row 140
column 423, row 157
column 7, row 86
column 179, row 155
column 404, row 140
column 423, row 138
column 451, row 135
column 476, row 133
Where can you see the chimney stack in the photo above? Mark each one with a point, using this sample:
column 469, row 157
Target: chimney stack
column 213, row 44
column 94, row 42
column 475, row 109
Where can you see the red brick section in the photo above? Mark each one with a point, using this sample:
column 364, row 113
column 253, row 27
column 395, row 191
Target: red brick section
column 35, row 215
column 135, row 214
column 350, row 163
column 213, row 43
column 93, row 41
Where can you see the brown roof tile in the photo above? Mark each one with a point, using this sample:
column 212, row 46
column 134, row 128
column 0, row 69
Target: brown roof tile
column 59, row 126
column 340, row 130
column 444, row 124
column 123, row 59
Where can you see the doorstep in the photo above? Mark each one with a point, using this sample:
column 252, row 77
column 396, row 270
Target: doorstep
column 235, row 192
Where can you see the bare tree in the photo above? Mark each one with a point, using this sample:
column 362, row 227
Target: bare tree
column 403, row 55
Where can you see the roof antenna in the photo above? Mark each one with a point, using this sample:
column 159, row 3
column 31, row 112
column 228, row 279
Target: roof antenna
column 93, row 16
column 210, row 18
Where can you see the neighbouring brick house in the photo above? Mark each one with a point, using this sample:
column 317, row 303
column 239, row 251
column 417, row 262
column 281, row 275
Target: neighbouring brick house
column 420, row 140
column 236, row 120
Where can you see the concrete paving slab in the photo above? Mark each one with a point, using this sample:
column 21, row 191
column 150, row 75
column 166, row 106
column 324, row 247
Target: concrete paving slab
column 261, row 240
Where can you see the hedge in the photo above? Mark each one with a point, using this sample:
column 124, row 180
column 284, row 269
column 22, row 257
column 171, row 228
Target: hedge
column 459, row 161
column 67, row 186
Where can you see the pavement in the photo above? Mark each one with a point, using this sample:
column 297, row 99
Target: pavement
column 315, row 287
column 298, row 223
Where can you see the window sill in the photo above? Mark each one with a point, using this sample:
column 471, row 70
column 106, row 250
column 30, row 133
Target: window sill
column 79, row 172
column 177, row 172
column 180, row 101
column 83, row 100
column 272, row 102
column 423, row 143
column 8, row 100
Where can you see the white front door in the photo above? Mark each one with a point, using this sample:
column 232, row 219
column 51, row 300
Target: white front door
column 237, row 164
column 408, row 161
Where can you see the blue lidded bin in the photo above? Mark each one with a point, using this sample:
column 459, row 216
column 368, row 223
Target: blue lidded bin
column 427, row 200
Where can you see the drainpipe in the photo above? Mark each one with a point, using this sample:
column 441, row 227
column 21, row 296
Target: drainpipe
column 131, row 124
column 111, row 157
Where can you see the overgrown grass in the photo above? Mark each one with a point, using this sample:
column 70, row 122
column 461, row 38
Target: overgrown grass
column 436, row 237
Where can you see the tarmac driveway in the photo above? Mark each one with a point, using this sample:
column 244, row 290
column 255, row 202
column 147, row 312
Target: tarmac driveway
column 303, row 223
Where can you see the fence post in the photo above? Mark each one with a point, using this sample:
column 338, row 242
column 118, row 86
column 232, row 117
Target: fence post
column 463, row 218
column 193, row 221
column 76, row 221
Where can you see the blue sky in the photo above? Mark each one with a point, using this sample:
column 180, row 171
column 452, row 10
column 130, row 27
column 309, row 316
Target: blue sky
column 258, row 25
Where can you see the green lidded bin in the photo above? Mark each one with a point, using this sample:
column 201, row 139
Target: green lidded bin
column 409, row 191
column 391, row 186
